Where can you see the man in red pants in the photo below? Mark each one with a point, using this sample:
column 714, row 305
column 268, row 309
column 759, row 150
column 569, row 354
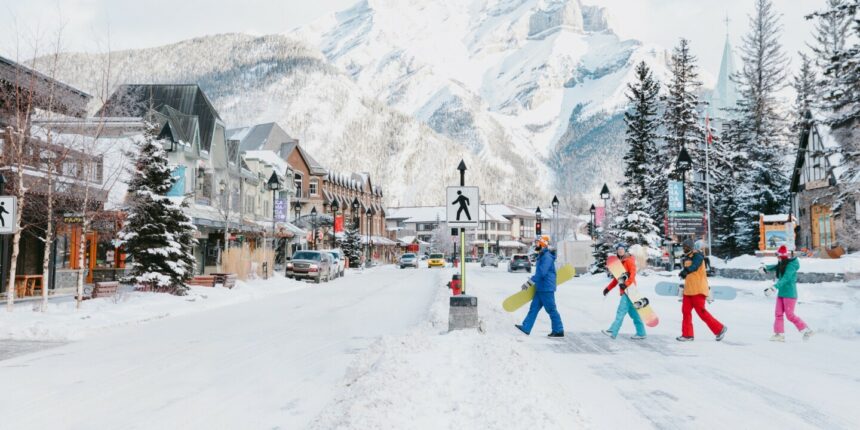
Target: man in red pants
column 696, row 292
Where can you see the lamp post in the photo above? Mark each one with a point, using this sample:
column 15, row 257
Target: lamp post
column 604, row 194
column 555, row 218
column 226, row 199
column 537, row 223
column 314, row 225
column 274, row 184
column 334, row 208
column 355, row 215
column 593, row 228
column 683, row 165
column 369, row 214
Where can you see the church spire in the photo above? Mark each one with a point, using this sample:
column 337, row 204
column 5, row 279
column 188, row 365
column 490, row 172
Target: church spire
column 725, row 93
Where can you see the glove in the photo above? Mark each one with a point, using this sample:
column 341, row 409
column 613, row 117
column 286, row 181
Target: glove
column 682, row 274
column 527, row 284
column 622, row 286
column 622, row 280
column 762, row 270
column 710, row 299
column 605, row 292
column 769, row 291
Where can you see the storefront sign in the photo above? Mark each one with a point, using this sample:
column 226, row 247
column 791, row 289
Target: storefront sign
column 73, row 218
column 103, row 225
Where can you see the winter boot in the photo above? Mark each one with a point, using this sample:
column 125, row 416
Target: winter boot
column 684, row 339
column 637, row 337
column 520, row 327
column 556, row 334
column 722, row 333
column 807, row 333
column 608, row 333
column 777, row 337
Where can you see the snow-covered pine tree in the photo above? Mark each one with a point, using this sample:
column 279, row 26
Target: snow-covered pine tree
column 351, row 245
column 728, row 162
column 157, row 235
column 829, row 37
column 683, row 127
column 764, row 187
column 643, row 179
column 805, row 86
column 843, row 107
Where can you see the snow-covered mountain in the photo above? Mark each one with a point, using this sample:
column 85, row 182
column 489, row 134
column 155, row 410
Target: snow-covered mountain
column 518, row 83
column 261, row 79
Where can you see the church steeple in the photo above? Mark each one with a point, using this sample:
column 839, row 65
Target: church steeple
column 725, row 94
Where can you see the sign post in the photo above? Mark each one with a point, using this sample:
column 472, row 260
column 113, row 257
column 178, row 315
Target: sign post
column 8, row 215
column 463, row 204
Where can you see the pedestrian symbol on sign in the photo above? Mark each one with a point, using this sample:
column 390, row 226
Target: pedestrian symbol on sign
column 3, row 211
column 463, row 201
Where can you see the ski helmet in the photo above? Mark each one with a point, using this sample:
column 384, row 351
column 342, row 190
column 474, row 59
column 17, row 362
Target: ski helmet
column 688, row 245
column 620, row 245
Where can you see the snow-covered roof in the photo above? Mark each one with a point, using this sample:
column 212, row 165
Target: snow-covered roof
column 775, row 218
column 268, row 157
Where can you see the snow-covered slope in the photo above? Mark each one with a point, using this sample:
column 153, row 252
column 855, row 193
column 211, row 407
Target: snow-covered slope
column 273, row 78
column 540, row 81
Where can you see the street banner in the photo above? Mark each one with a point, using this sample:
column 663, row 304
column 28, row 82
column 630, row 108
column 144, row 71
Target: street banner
column 338, row 224
column 280, row 210
column 676, row 196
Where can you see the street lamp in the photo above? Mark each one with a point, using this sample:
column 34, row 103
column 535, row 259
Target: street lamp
column 222, row 188
column 593, row 228
column 369, row 214
column 334, row 208
column 554, row 218
column 274, row 184
column 355, row 205
column 537, row 223
column 314, row 224
column 604, row 194
column 683, row 165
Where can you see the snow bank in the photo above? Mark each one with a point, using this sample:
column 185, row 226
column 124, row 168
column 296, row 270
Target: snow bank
column 846, row 264
column 63, row 322
column 463, row 379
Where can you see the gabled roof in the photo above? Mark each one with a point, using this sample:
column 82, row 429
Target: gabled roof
column 314, row 166
column 139, row 100
column 829, row 143
column 48, row 93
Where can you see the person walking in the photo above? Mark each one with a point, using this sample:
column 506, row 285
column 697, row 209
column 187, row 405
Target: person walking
column 696, row 292
column 786, row 299
column 544, row 283
column 625, row 305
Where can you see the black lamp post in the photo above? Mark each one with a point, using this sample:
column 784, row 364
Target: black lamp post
column 554, row 218
column 604, row 194
column 274, row 184
column 334, row 208
column 369, row 214
column 537, row 223
column 683, row 165
column 314, row 224
column 593, row 228
column 355, row 215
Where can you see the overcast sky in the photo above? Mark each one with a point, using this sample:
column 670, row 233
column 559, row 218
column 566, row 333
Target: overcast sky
column 146, row 23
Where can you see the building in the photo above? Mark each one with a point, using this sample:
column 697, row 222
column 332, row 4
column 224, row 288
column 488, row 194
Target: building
column 815, row 184
column 359, row 205
column 725, row 95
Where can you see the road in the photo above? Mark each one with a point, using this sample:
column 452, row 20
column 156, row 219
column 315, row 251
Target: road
column 270, row 363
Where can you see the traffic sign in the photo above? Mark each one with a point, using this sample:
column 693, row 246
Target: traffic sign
column 462, row 207
column 8, row 211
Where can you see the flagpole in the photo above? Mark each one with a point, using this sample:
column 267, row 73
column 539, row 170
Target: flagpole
column 708, row 178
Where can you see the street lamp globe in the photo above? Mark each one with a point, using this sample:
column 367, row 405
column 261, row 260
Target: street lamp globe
column 593, row 209
column 537, row 213
column 555, row 202
column 274, row 183
column 335, row 206
column 314, row 211
column 604, row 192
column 684, row 162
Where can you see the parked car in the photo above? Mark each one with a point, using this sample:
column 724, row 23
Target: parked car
column 408, row 260
column 340, row 262
column 436, row 260
column 425, row 257
column 490, row 259
column 316, row 265
column 520, row 262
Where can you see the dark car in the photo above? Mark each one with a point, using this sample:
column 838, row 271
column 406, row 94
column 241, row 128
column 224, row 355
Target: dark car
column 520, row 262
column 316, row 265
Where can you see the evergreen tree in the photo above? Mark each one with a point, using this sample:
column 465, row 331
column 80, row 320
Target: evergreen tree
column 351, row 246
column 643, row 179
column 157, row 235
column 683, row 127
column 805, row 86
column 728, row 162
column 764, row 188
column 830, row 35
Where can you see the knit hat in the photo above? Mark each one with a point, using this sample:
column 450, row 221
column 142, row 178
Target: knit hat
column 543, row 241
column 782, row 252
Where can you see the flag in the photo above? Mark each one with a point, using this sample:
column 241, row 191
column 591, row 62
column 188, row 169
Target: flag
column 710, row 138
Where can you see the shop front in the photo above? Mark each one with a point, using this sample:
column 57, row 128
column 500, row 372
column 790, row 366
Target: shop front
column 102, row 259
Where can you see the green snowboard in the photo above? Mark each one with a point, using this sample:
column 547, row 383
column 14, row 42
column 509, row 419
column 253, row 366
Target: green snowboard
column 516, row 301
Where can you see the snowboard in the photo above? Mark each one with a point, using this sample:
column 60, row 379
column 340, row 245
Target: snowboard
column 516, row 301
column 718, row 292
column 640, row 302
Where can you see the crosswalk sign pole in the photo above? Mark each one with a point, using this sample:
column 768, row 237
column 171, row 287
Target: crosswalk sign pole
column 463, row 260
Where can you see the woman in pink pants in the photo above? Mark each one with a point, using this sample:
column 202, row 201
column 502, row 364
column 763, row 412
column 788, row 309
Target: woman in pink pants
column 786, row 274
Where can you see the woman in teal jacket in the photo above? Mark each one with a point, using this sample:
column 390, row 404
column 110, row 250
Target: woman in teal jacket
column 786, row 283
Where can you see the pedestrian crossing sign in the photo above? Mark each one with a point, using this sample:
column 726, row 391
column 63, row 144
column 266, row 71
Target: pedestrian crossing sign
column 462, row 207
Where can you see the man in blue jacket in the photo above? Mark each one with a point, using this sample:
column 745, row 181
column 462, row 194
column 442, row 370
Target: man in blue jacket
column 544, row 282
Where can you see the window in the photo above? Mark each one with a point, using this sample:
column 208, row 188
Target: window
column 313, row 187
column 232, row 151
column 297, row 180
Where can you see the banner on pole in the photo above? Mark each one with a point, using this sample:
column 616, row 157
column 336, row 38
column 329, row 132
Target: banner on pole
column 676, row 196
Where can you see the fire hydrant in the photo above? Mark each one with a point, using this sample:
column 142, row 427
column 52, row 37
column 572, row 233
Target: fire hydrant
column 454, row 284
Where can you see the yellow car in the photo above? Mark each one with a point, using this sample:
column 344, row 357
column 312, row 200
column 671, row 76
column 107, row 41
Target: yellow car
column 436, row 260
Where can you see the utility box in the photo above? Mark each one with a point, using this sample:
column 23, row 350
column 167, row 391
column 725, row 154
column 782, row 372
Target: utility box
column 462, row 312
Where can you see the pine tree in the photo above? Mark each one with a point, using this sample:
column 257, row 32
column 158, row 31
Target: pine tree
column 830, row 35
column 351, row 245
column 728, row 162
column 157, row 235
column 643, row 179
column 683, row 127
column 805, row 87
column 764, row 187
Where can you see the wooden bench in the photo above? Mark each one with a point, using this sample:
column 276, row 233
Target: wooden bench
column 102, row 289
column 228, row 280
column 203, row 281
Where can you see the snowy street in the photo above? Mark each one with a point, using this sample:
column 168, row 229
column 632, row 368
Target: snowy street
column 269, row 363
column 372, row 351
